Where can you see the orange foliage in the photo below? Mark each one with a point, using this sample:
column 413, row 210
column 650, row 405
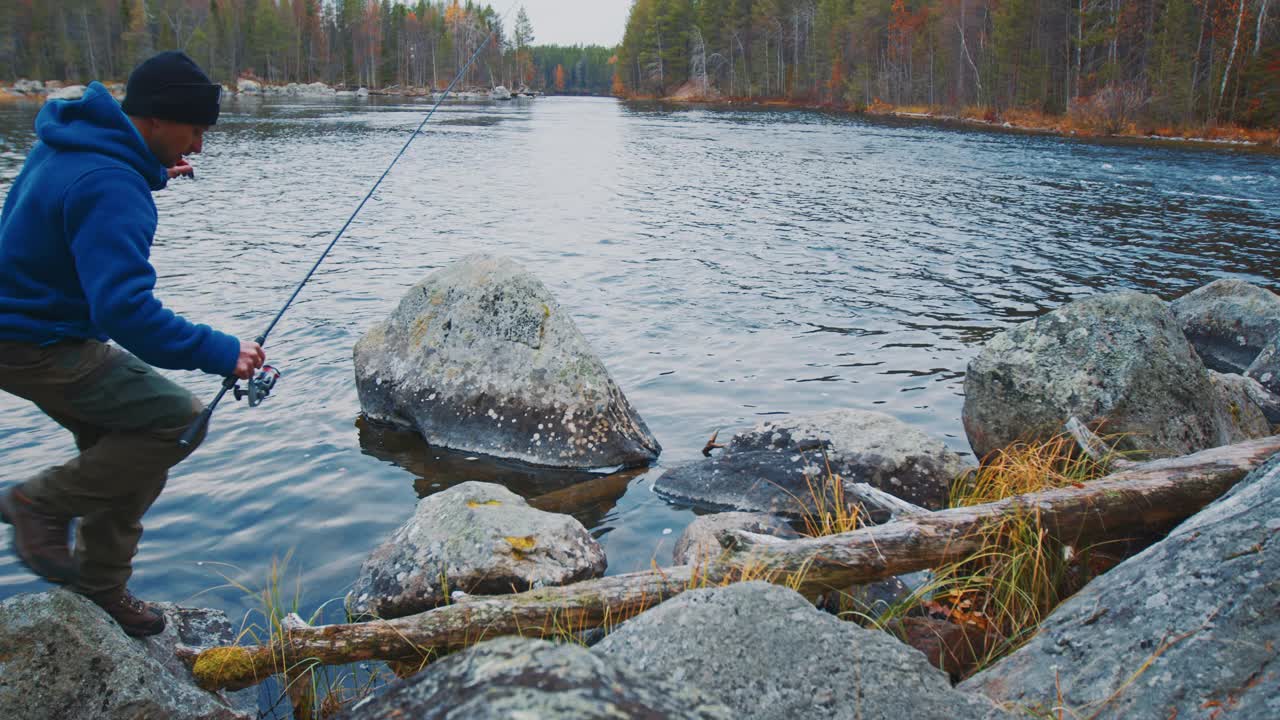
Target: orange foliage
column 837, row 79
column 560, row 78
column 454, row 14
column 619, row 89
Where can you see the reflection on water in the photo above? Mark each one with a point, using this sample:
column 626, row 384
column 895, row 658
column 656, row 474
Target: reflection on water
column 587, row 496
column 727, row 265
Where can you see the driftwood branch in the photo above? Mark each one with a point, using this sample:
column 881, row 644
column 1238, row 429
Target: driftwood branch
column 547, row 612
column 1150, row 496
column 873, row 498
column 1095, row 447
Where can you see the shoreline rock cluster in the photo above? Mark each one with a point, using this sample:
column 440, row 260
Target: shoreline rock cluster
column 479, row 357
column 39, row 90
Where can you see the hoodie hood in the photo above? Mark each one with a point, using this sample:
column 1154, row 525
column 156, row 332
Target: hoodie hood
column 96, row 124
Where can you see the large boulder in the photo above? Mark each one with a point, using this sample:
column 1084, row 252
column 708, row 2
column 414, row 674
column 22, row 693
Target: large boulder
column 477, row 538
column 247, row 86
column 1229, row 322
column 1119, row 360
column 1186, row 626
column 699, row 544
column 515, row 678
column 61, row 656
column 781, row 466
column 766, row 653
column 479, row 357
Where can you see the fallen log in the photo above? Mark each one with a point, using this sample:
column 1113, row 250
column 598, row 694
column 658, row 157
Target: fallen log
column 1144, row 498
column 415, row 639
column 1151, row 496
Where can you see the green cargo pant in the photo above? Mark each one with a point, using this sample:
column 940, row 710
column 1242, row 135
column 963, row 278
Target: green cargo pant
column 126, row 419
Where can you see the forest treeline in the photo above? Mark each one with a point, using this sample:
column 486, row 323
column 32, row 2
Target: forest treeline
column 1168, row 62
column 371, row 43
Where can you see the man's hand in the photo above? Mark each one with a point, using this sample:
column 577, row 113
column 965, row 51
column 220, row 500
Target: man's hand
column 252, row 356
column 182, row 168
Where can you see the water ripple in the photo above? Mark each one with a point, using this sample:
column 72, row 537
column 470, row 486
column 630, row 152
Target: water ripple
column 727, row 265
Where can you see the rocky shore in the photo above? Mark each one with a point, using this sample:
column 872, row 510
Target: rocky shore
column 479, row 358
column 40, row 91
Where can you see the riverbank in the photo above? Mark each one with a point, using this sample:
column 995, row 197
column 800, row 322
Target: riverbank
column 1015, row 120
column 38, row 92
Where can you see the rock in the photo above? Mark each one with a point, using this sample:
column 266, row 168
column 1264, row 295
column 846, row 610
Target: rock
column 953, row 648
column 700, row 541
column 71, row 92
column 1117, row 359
column 362, row 92
column 1185, row 626
column 514, row 678
column 500, row 93
column 1246, row 406
column 766, row 653
column 477, row 538
column 63, row 657
column 873, row 599
column 779, row 467
column 245, row 85
column 1228, row 322
column 1266, row 367
column 28, row 87
column 479, row 357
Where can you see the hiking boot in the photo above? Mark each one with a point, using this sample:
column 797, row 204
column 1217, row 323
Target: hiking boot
column 136, row 617
column 39, row 539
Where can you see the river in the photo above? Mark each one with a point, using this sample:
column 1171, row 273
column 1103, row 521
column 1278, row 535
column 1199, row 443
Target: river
column 729, row 265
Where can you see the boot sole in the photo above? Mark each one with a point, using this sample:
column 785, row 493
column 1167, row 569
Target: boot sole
column 52, row 578
column 138, row 631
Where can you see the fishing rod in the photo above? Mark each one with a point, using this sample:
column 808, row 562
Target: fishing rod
column 261, row 385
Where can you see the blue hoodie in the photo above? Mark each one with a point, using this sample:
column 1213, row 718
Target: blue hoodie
column 75, row 242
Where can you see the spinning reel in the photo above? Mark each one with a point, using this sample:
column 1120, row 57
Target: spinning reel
column 259, row 388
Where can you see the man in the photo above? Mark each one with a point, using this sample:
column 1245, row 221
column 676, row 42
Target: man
column 75, row 242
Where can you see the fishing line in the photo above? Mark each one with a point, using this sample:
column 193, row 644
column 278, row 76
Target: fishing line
column 261, row 385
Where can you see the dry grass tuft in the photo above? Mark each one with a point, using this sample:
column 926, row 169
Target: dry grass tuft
column 1022, row 573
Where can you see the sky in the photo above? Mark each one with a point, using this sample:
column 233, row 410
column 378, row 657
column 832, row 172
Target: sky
column 570, row 22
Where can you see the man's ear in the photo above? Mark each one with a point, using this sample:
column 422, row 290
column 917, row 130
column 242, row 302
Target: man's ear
column 146, row 126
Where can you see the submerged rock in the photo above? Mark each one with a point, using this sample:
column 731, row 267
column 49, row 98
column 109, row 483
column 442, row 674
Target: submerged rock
column 768, row 654
column 1118, row 359
column 512, row 678
column 477, row 538
column 61, row 656
column 700, row 541
column 781, row 466
column 1186, row 626
column 479, row 357
column 1229, row 322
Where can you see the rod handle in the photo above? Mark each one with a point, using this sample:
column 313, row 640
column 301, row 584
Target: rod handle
column 202, row 421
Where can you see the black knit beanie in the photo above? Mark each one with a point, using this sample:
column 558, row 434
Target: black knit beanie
column 170, row 86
